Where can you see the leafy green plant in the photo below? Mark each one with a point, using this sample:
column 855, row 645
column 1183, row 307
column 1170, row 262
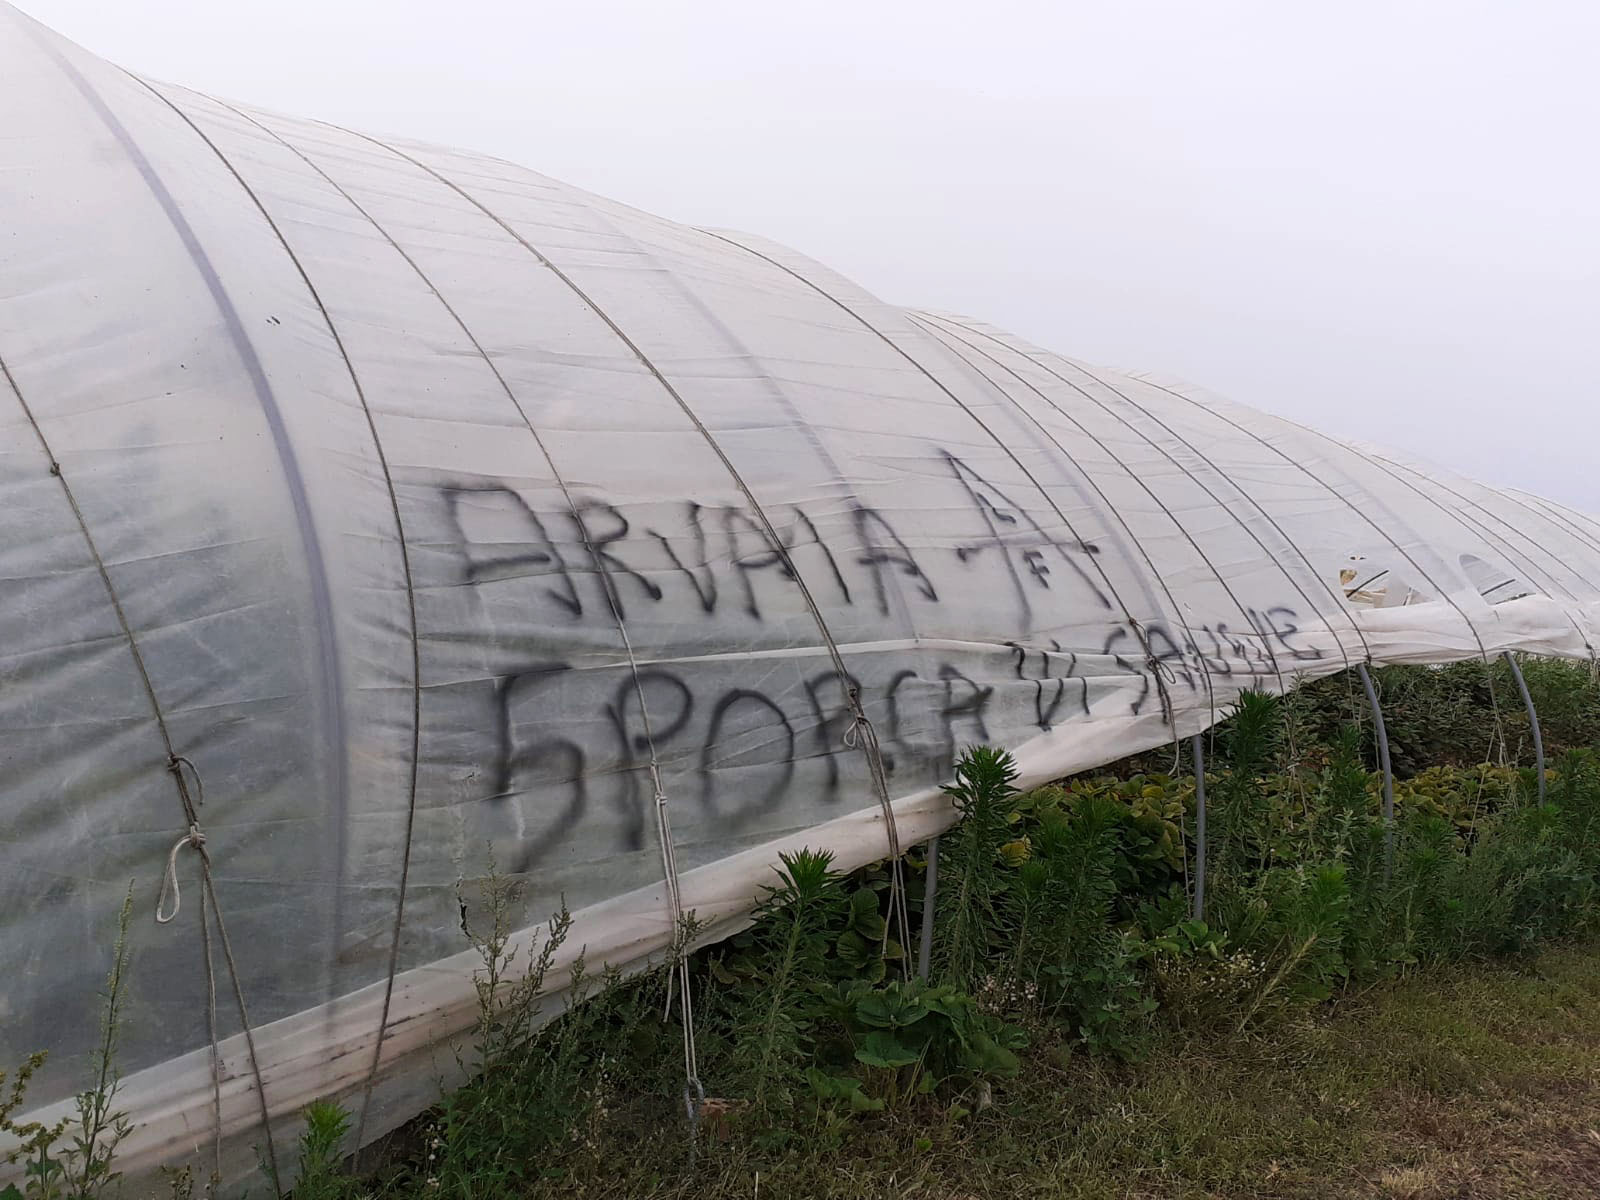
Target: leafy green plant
column 1108, row 997
column 317, row 1171
column 968, row 906
column 906, row 1037
column 1199, row 982
column 1576, row 795
column 542, row 1083
column 1297, row 921
column 1071, row 963
column 1345, row 802
column 534, row 1078
column 1240, row 802
column 863, row 949
column 771, row 1025
column 35, row 1139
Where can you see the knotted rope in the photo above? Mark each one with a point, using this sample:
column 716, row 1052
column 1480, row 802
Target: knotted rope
column 861, row 735
column 694, row 1092
column 1163, row 674
column 196, row 839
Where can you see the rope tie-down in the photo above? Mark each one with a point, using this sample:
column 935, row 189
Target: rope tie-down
column 195, row 839
column 694, row 1092
column 169, row 882
column 1162, row 673
column 861, row 735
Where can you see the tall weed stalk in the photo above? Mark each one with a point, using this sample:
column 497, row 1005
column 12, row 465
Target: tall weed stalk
column 968, row 922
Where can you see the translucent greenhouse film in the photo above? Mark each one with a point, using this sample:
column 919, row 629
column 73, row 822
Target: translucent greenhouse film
column 371, row 510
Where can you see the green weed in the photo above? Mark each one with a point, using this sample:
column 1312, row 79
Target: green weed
column 73, row 1159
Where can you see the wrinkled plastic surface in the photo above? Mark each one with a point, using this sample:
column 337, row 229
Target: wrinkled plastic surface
column 438, row 497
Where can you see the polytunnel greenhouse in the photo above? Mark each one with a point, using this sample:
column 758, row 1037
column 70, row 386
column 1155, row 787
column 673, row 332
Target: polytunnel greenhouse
column 373, row 510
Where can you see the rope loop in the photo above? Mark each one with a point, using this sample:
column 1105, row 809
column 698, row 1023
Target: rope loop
column 860, row 735
column 859, row 732
column 169, row 881
column 1159, row 667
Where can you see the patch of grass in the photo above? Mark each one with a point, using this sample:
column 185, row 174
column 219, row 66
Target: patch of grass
column 1461, row 1080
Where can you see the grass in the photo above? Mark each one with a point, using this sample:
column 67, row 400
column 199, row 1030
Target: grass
column 1472, row 1079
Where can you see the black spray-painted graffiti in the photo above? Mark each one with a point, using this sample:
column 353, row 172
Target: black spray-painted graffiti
column 756, row 730
column 723, row 550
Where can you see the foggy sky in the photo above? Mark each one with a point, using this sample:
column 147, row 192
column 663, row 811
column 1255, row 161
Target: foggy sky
column 1380, row 219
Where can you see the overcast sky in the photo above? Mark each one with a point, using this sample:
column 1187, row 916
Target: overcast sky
column 1380, row 218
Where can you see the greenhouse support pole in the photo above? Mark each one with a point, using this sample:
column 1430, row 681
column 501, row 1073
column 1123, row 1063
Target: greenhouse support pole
column 929, row 890
column 1197, row 745
column 1383, row 762
column 1533, row 718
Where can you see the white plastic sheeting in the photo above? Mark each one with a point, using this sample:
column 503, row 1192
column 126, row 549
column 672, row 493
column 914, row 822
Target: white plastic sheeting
column 417, row 502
